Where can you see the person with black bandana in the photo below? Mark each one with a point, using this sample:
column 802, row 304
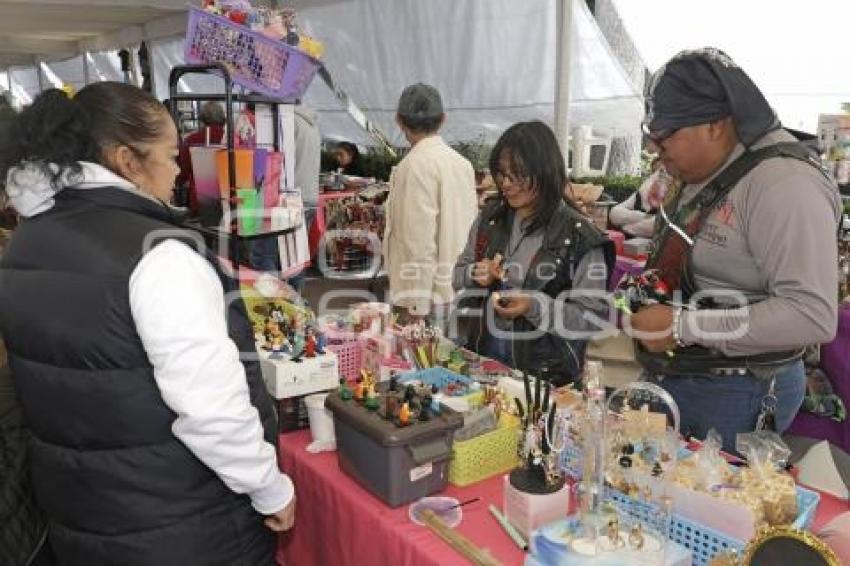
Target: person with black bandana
column 748, row 239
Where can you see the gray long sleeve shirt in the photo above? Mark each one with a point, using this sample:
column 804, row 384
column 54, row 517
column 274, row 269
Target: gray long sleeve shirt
column 590, row 275
column 773, row 238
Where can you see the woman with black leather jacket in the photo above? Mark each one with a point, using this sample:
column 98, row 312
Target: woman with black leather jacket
column 534, row 270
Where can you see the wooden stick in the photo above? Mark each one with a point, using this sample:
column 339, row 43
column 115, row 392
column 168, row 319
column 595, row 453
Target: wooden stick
column 457, row 541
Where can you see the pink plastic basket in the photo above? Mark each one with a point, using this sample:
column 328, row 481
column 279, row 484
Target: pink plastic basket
column 256, row 62
column 350, row 358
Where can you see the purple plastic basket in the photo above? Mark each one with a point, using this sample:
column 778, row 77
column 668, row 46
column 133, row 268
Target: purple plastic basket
column 256, row 62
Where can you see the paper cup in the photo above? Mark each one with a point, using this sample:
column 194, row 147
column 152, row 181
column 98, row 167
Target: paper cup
column 321, row 419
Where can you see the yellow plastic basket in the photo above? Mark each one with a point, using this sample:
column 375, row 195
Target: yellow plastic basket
column 487, row 455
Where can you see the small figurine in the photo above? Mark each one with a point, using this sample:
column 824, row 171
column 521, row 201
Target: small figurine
column 359, row 391
column 390, row 407
column 404, row 414
column 372, row 403
column 276, row 313
column 310, row 346
column 297, row 345
column 367, row 377
column 409, row 393
column 636, row 540
column 288, row 17
column 321, row 342
column 425, row 408
column 344, row 390
column 613, row 533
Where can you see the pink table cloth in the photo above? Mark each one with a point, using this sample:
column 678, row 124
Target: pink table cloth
column 338, row 522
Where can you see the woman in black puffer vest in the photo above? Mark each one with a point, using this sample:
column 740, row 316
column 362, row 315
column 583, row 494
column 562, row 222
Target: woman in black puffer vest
column 152, row 442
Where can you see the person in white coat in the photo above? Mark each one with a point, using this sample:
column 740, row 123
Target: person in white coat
column 431, row 206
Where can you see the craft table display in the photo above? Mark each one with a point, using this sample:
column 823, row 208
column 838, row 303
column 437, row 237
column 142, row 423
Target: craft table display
column 338, row 522
column 835, row 361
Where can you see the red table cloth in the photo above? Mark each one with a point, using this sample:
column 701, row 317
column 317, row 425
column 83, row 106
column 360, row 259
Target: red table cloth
column 339, row 523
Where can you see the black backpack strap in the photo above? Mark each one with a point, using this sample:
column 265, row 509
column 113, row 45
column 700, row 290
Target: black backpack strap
column 728, row 179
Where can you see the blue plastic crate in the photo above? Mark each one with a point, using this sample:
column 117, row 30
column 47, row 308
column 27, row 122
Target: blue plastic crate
column 438, row 376
column 702, row 541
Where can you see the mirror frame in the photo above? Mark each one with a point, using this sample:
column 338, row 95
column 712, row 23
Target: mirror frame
column 766, row 534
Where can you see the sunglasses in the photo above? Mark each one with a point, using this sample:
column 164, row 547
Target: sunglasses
column 658, row 137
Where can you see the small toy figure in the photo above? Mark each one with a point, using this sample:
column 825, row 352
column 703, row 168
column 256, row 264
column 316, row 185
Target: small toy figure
column 409, row 393
column 390, row 407
column 298, row 344
column 404, row 414
column 288, row 18
column 310, row 346
column 367, row 377
column 372, row 403
column 359, row 391
column 344, row 390
column 321, row 342
column 260, row 335
column 425, row 408
column 276, row 313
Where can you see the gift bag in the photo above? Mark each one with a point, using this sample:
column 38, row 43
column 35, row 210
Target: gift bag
column 294, row 248
column 271, row 181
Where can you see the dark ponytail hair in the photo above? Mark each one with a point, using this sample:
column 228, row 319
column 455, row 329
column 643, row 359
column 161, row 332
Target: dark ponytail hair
column 55, row 133
column 533, row 152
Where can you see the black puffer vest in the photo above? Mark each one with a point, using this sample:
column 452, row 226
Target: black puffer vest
column 568, row 237
column 117, row 486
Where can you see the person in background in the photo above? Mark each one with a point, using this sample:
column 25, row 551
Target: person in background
column 348, row 159
column 153, row 442
column 524, row 250
column 211, row 118
column 431, row 205
column 750, row 242
column 635, row 216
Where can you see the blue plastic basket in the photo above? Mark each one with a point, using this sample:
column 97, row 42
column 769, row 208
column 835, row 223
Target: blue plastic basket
column 703, row 542
column 435, row 376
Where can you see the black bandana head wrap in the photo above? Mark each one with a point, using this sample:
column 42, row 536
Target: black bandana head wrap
column 705, row 85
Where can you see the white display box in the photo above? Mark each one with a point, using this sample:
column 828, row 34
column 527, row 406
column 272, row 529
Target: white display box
column 285, row 378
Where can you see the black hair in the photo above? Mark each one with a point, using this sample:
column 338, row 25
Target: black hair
column 350, row 148
column 534, row 153
column 55, row 133
column 417, row 125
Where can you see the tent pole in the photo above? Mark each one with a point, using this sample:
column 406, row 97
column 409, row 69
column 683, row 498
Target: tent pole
column 563, row 19
column 39, row 75
column 86, row 68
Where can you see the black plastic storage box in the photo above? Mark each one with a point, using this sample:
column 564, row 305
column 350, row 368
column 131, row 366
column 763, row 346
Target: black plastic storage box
column 399, row 465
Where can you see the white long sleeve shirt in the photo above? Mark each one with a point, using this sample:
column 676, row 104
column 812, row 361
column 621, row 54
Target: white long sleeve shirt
column 178, row 306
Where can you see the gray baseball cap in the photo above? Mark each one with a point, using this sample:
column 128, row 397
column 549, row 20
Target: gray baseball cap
column 420, row 101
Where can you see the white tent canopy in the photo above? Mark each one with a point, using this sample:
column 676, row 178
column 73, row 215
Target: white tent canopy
column 493, row 60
